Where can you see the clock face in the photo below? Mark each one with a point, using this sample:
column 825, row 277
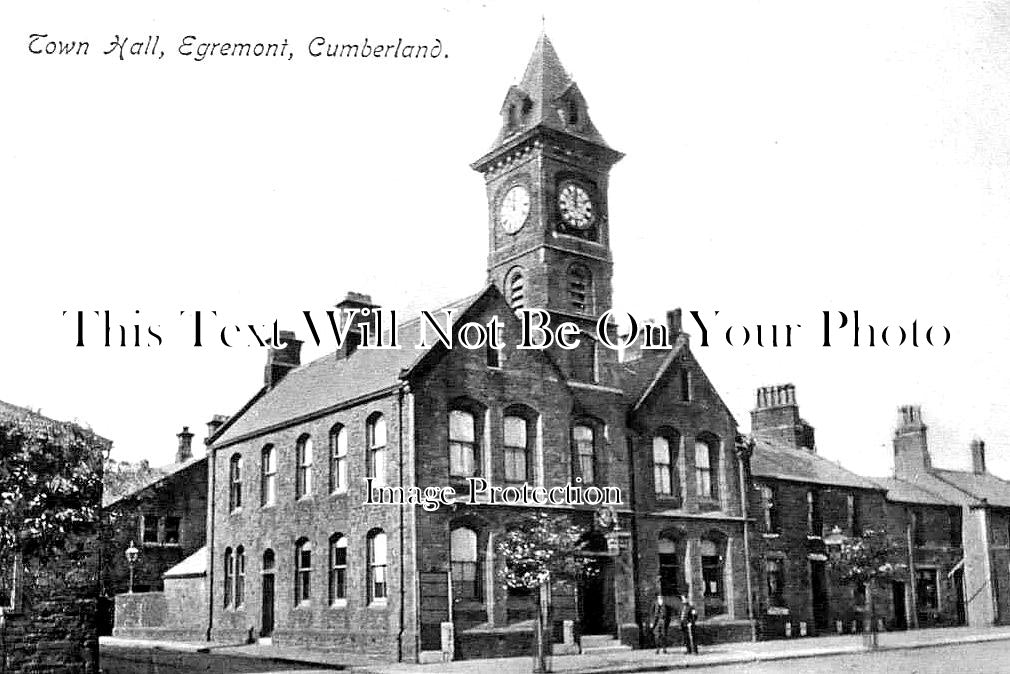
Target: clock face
column 514, row 209
column 576, row 207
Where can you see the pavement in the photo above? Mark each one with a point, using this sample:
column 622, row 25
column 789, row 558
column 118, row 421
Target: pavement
column 625, row 661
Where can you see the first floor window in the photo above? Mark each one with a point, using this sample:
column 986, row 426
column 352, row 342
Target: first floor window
column 462, row 444
column 268, row 476
column 516, row 449
column 585, row 452
column 303, row 571
column 771, row 509
column 377, row 566
column 150, row 529
column 815, row 525
column 663, row 466
column 465, row 568
column 172, row 530
column 338, row 459
column 338, row 568
column 303, row 467
column 235, row 482
column 706, row 467
column 376, row 439
column 775, row 580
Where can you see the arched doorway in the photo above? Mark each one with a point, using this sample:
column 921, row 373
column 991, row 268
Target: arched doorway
column 596, row 601
column 267, row 618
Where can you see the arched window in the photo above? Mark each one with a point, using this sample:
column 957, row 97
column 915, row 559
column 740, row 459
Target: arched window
column 515, row 289
column 518, row 448
column 229, row 576
column 664, row 463
column 584, row 452
column 338, row 568
column 239, row 576
column 465, row 567
column 464, row 456
column 706, row 467
column 712, row 575
column 268, row 476
column 338, row 459
column 303, row 466
column 235, row 482
column 580, row 288
column 375, row 433
column 670, row 584
column 303, row 570
column 376, row 581
column 268, row 561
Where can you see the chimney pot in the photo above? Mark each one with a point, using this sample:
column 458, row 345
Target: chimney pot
column 185, row 450
column 365, row 315
column 675, row 322
column 978, row 456
column 280, row 361
column 216, row 422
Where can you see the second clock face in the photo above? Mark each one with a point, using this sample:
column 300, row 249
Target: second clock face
column 576, row 207
column 514, row 209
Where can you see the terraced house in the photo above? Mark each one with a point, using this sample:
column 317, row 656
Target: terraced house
column 294, row 553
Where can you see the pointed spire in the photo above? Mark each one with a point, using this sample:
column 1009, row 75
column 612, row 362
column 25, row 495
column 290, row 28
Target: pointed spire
column 546, row 96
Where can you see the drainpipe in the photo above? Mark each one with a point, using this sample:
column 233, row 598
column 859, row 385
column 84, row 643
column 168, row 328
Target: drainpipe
column 634, row 532
column 211, row 464
column 744, row 451
column 911, row 572
column 403, row 589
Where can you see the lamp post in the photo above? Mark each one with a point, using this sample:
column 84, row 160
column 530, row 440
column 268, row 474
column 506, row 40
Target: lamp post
column 131, row 558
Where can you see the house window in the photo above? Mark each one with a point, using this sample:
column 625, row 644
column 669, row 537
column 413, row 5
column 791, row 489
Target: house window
column 954, row 517
column 775, row 579
column 303, row 571
column 376, row 566
column 815, row 524
column 239, row 576
column 580, row 288
column 517, row 452
column 149, row 533
column 585, row 452
column 492, row 355
column 712, row 577
column 268, row 476
column 338, row 459
column 303, row 467
column 172, row 530
column 515, row 289
column 338, row 568
column 685, row 385
column 771, row 509
column 706, row 468
column 376, row 437
column 669, row 568
column 854, row 504
column 235, row 482
column 664, row 465
column 462, row 444
column 229, row 576
column 918, row 531
column 465, row 568
column 925, row 590
column 584, row 361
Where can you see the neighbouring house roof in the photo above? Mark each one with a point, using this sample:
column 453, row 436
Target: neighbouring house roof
column 980, row 486
column 779, row 461
column 194, row 565
column 903, row 491
column 159, row 475
column 330, row 381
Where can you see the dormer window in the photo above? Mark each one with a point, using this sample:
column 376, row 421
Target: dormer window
column 572, row 112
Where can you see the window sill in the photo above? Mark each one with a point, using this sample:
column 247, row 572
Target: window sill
column 771, row 535
column 268, row 506
column 338, row 603
column 378, row 604
column 308, row 498
column 235, row 511
column 304, row 604
column 149, row 544
column 339, row 492
column 812, row 537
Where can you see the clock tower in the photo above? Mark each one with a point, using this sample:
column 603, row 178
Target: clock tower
column 546, row 175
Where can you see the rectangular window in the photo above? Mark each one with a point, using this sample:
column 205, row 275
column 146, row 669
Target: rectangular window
column 685, row 386
column 775, row 579
column 303, row 572
column 235, row 482
column 172, row 530
column 376, row 435
column 516, row 449
column 662, row 466
column 338, row 459
column 268, row 488
column 150, row 529
column 303, row 475
column 493, row 355
column 703, row 468
column 954, row 515
column 815, row 524
column 771, row 509
column 918, row 530
column 377, row 566
column 669, row 574
column 585, row 453
column 854, row 505
column 925, row 590
column 462, row 444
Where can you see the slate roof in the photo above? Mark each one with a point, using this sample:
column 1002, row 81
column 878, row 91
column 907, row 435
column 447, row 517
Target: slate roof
column 985, row 486
column 329, row 381
column 903, row 491
column 194, row 565
column 779, row 461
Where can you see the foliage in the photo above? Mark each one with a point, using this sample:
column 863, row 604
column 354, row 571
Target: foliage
column 50, row 484
column 543, row 546
column 868, row 558
column 122, row 477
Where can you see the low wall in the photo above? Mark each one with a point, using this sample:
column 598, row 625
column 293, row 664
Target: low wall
column 179, row 613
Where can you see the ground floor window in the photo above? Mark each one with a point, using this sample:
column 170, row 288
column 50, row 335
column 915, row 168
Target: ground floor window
column 775, row 579
column 712, row 577
column 669, row 568
column 926, row 596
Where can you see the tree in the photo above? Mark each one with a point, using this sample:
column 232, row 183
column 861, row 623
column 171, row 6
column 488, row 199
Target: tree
column 542, row 549
column 122, row 477
column 867, row 561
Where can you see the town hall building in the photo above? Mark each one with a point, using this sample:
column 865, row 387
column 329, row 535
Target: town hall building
column 295, row 555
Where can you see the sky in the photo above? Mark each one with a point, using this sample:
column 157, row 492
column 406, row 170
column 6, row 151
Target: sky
column 781, row 159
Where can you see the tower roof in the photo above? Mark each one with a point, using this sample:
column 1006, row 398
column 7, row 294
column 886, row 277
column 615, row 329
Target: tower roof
column 543, row 96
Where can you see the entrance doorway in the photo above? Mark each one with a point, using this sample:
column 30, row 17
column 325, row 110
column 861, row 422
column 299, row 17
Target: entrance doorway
column 898, row 601
column 819, row 596
column 959, row 605
column 593, row 605
column 267, row 618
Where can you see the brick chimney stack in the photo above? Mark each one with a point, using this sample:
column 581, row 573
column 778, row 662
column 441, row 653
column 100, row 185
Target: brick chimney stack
column 216, row 422
column 365, row 316
column 978, row 456
column 911, row 453
column 776, row 417
column 282, row 361
column 185, row 451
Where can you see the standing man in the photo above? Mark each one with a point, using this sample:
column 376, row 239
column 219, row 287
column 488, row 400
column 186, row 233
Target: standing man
column 660, row 622
column 688, row 617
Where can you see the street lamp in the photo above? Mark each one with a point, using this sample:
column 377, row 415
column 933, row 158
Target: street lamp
column 131, row 558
